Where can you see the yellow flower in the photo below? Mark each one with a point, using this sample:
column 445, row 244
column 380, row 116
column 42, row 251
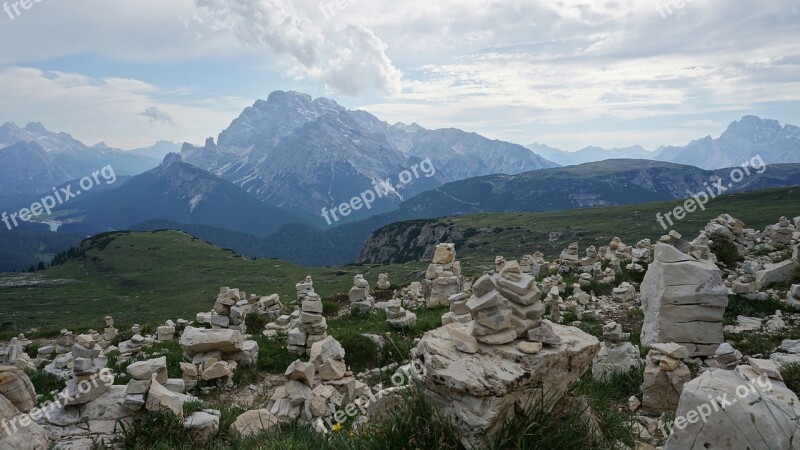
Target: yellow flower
column 352, row 434
column 337, row 427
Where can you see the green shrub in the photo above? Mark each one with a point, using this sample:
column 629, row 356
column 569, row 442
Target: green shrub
column 330, row 308
column 791, row 376
column 45, row 384
column 255, row 323
column 31, row 350
column 726, row 251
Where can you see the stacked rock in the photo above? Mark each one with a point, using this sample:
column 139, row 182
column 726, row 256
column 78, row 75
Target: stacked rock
column 232, row 308
column 571, row 254
column 318, row 388
column 312, row 324
column 216, row 353
column 304, row 288
column 383, row 282
column 526, row 263
column 443, row 278
column 109, row 332
column 554, row 302
column 133, row 345
column 579, row 296
column 504, row 306
column 166, row 332
column 624, row 293
column 399, row 318
column 281, row 326
column 664, row 377
column 726, row 357
column 87, row 370
column 459, row 311
column 617, row 355
column 411, row 296
column 683, row 297
column 616, row 251
column 65, row 342
column 591, row 256
column 360, row 300
column 745, row 282
column 499, row 262
column 643, row 252
column 780, row 233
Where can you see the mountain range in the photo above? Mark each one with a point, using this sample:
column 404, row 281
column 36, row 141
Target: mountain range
column 307, row 154
column 742, row 140
column 34, row 159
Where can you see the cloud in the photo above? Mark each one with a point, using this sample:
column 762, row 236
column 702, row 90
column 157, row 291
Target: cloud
column 349, row 59
column 155, row 115
column 109, row 109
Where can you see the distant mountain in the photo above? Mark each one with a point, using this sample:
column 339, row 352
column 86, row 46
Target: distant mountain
column 179, row 192
column 295, row 151
column 66, row 159
column 158, row 150
column 743, row 140
column 591, row 154
column 607, row 183
column 25, row 168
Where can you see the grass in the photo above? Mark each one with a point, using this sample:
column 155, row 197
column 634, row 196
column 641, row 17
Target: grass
column 147, row 278
column 791, row 376
column 45, row 384
column 794, row 278
column 171, row 349
column 740, row 306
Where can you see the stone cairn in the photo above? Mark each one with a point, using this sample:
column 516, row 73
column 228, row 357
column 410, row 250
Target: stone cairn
column 166, row 332
column 664, row 377
column 683, row 297
column 411, row 296
column 617, row 355
column 109, row 332
column 232, row 308
column 306, row 325
column 459, row 311
column 443, row 278
column 624, row 293
column 133, row 345
column 359, row 297
column 579, row 296
column 316, row 389
column 383, row 282
column 505, row 306
column 571, row 256
column 215, row 354
column 555, row 303
column 399, row 318
column 89, row 360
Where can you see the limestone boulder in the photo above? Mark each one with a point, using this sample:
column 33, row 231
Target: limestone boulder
column 202, row 426
column 253, row 423
column 684, row 301
column 768, row 418
column 480, row 390
column 613, row 359
column 14, row 436
column 17, row 388
column 200, row 340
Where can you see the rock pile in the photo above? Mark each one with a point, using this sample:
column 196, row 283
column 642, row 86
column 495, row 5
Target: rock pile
column 232, row 308
column 150, row 388
column 477, row 386
column 215, row 354
column 443, row 278
column 664, row 377
column 459, row 311
column 109, row 332
column 683, row 297
column 505, row 306
column 412, row 296
column 383, row 282
column 310, row 327
column 88, row 362
column 399, row 318
column 617, row 355
column 624, row 293
column 318, row 388
column 360, row 300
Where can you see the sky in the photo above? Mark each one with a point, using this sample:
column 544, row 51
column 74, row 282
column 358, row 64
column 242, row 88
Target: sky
column 566, row 73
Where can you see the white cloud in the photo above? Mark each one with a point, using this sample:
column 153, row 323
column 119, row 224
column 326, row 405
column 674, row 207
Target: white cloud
column 119, row 112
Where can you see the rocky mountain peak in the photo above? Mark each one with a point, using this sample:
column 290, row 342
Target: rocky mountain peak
column 172, row 158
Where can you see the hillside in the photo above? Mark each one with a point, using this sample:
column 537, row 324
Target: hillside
column 480, row 237
column 149, row 277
